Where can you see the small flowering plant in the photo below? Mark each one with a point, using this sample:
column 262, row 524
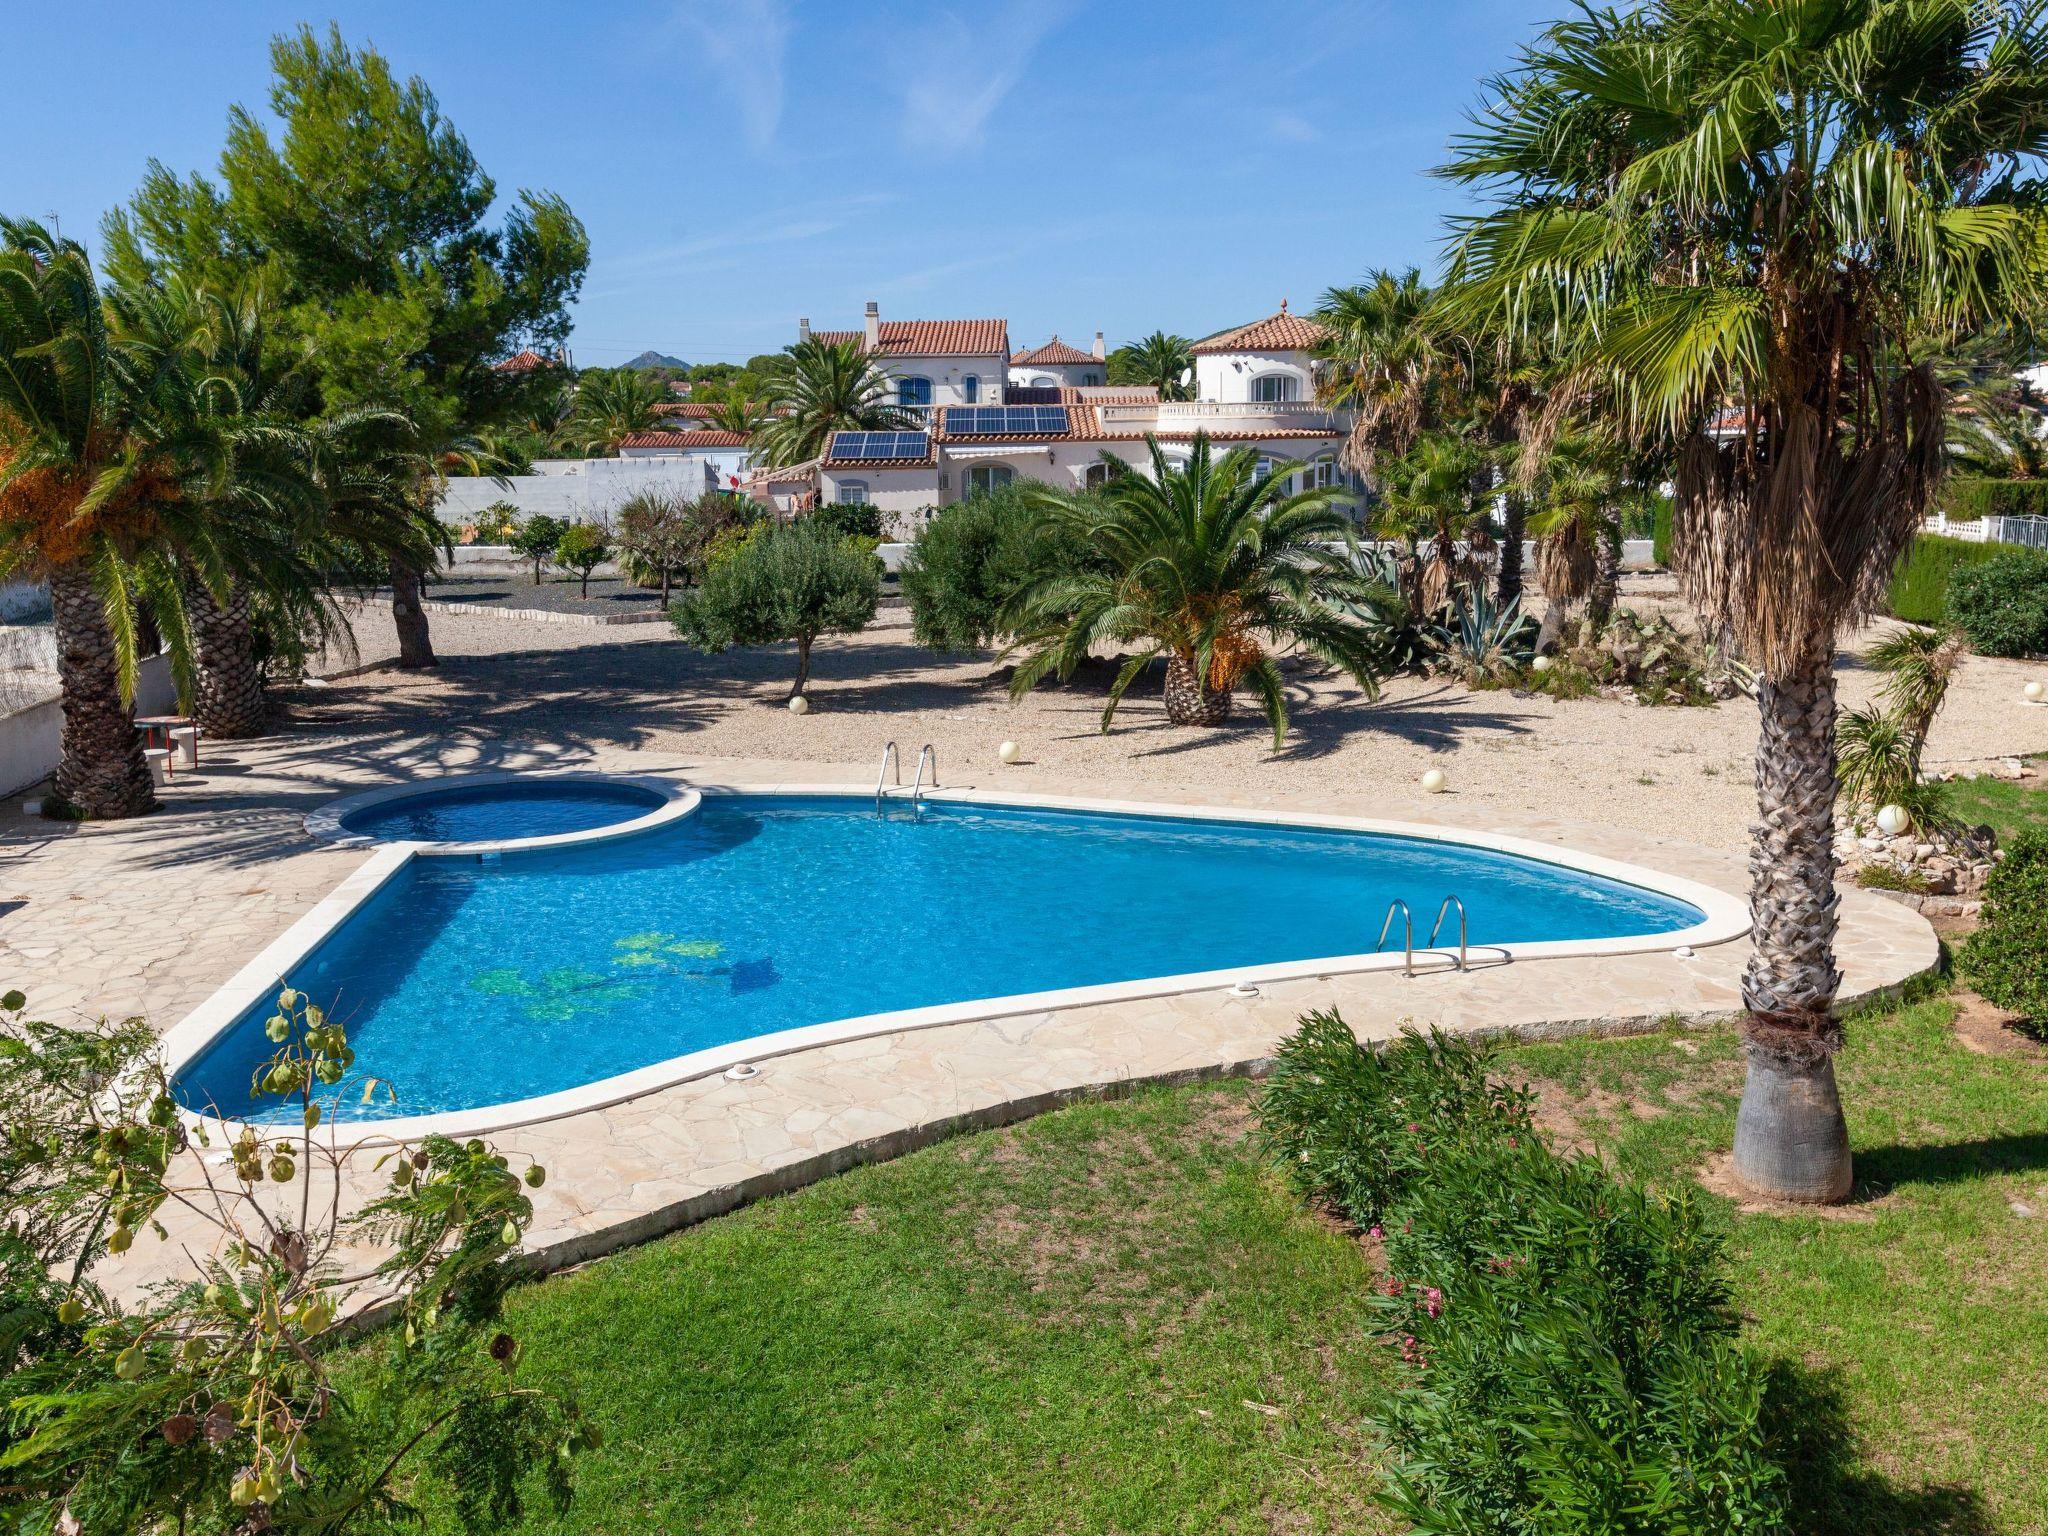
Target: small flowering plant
column 224, row 1398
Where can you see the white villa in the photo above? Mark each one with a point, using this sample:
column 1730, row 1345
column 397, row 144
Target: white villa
column 987, row 415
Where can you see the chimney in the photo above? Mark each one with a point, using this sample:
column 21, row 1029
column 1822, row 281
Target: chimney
column 874, row 326
column 1098, row 344
column 803, row 327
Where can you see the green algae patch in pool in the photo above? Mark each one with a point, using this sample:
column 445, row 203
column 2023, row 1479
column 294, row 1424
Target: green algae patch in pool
column 466, row 983
column 511, row 809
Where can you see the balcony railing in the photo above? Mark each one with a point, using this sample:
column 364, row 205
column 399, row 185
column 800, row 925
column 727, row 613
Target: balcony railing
column 1291, row 415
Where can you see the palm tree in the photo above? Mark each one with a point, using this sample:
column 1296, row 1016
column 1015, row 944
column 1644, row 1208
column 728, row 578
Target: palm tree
column 1208, row 563
column 1579, row 490
column 1433, row 497
column 116, row 483
column 1389, row 361
column 611, row 405
column 741, row 413
column 821, row 387
column 1164, row 362
column 1766, row 205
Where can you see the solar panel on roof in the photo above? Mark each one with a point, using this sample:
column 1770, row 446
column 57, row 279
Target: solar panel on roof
column 1006, row 420
column 879, row 445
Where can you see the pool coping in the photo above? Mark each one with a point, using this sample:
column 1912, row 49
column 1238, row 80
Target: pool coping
column 1724, row 919
column 673, row 802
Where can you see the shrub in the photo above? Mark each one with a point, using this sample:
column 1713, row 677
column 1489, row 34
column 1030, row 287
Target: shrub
column 661, row 536
column 971, row 558
column 850, row 520
column 2001, row 604
column 582, row 548
column 1919, row 589
column 1660, row 532
column 1568, row 1353
column 497, row 523
column 1969, row 497
column 782, row 581
column 2007, row 958
column 536, row 539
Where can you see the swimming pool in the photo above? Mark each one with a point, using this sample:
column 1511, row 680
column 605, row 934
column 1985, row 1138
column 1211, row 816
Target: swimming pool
column 556, row 979
column 500, row 810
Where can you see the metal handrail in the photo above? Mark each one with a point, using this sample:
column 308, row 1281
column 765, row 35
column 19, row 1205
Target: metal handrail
column 931, row 754
column 1407, row 935
column 889, row 755
column 1437, row 926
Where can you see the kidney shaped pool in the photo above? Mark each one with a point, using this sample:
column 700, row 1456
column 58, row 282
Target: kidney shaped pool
column 467, row 983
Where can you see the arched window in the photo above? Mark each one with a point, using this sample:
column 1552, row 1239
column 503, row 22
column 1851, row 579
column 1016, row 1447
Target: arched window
column 970, row 388
column 1045, row 381
column 1095, row 476
column 914, row 390
column 985, row 477
column 1270, row 387
column 853, row 493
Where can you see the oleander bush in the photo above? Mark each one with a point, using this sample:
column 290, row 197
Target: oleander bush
column 1568, row 1351
column 2001, row 603
column 2007, row 957
column 850, row 520
column 1920, row 583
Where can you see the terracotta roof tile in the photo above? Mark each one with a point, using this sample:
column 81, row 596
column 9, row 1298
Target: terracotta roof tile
column 683, row 440
column 685, row 409
column 1053, row 354
column 1280, row 332
column 932, row 338
column 524, row 362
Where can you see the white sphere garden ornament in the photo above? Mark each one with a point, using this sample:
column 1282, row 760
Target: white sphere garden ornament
column 799, row 705
column 1540, row 664
column 2035, row 692
column 1892, row 820
column 1009, row 752
column 1433, row 782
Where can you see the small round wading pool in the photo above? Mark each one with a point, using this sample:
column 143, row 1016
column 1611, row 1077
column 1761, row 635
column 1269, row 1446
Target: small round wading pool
column 491, row 986
column 499, row 811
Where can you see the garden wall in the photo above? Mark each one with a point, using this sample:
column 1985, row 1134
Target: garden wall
column 31, row 738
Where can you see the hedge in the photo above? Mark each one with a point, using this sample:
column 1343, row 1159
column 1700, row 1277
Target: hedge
column 1967, row 498
column 2001, row 604
column 1919, row 590
column 1660, row 532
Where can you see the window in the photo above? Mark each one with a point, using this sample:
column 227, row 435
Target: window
column 1264, row 472
column 1045, row 381
column 1090, row 378
column 970, row 389
column 914, row 390
column 853, row 493
column 1320, row 475
column 1269, row 387
column 986, row 477
column 1095, row 476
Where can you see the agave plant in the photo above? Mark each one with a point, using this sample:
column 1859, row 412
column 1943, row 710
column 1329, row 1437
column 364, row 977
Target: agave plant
column 1484, row 639
column 1212, row 567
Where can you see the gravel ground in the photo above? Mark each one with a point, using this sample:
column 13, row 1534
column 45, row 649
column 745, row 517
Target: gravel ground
column 554, row 594
column 1684, row 773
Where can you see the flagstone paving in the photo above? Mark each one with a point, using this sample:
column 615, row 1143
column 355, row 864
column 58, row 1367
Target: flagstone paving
column 149, row 917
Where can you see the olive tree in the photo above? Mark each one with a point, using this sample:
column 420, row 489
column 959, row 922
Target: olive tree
column 792, row 581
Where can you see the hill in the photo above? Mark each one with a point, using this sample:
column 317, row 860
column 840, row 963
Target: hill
column 656, row 360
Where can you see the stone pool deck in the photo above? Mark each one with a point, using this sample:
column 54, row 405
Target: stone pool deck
column 150, row 917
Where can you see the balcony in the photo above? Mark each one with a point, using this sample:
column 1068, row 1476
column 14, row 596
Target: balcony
column 1218, row 416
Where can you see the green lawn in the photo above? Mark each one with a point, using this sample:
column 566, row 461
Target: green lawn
column 1114, row 1319
column 2010, row 808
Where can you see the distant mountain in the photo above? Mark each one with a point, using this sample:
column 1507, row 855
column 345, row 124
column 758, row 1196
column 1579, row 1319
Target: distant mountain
column 657, row 360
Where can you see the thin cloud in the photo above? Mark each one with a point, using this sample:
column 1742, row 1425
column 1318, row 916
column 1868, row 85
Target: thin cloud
column 942, row 113
column 744, row 43
column 780, row 227
column 1290, row 129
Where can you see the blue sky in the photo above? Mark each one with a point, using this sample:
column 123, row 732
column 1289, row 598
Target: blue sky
column 1067, row 164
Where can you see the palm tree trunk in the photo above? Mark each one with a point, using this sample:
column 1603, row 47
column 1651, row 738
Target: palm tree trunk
column 415, row 641
column 1189, row 701
column 1791, row 1142
column 101, row 772
column 1606, row 577
column 229, row 706
column 1514, row 522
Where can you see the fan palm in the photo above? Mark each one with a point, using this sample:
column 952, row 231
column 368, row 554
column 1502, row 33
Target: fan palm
column 1431, row 498
column 612, row 405
column 820, row 387
column 1766, row 203
column 1212, row 566
column 1390, row 363
column 1578, row 490
column 1161, row 361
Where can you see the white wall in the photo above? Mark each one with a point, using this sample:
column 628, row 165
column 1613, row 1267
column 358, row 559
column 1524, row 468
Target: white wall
column 1080, row 375
column 31, row 739
column 590, row 490
column 949, row 377
column 1227, row 376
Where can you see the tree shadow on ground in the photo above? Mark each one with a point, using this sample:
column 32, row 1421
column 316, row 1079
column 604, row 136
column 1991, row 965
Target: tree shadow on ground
column 1836, row 1493
column 1945, row 1162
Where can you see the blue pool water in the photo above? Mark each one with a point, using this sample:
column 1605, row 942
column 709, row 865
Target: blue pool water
column 484, row 812
column 466, row 983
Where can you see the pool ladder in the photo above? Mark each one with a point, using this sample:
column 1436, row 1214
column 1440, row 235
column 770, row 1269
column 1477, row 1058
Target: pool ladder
column 927, row 756
column 1408, row 931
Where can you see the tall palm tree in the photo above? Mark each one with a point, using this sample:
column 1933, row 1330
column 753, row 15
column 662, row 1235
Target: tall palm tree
column 740, row 413
column 1579, row 491
column 1389, row 361
column 1767, row 204
column 116, row 482
column 1209, row 564
column 821, row 387
column 1162, row 361
column 611, row 405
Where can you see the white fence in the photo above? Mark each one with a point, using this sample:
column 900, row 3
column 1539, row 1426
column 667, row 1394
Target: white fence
column 2027, row 532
